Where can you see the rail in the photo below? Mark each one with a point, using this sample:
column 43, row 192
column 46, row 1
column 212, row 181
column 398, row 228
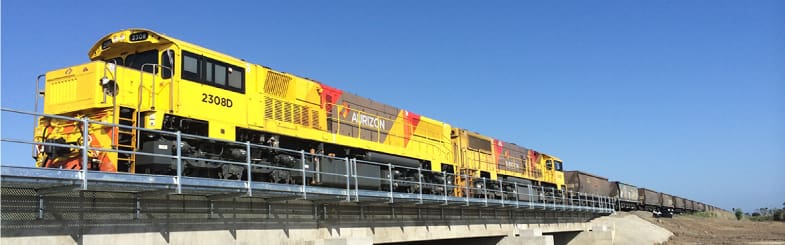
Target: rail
column 51, row 180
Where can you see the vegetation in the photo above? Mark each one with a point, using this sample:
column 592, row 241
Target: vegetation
column 767, row 214
column 739, row 213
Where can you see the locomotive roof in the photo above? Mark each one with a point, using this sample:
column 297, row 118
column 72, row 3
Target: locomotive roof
column 156, row 37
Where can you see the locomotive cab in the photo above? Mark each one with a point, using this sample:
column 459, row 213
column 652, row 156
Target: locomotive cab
column 128, row 70
column 554, row 172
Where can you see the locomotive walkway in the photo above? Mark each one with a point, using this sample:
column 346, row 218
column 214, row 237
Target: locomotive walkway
column 43, row 206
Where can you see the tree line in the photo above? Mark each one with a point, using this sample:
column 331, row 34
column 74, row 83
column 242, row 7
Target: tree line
column 763, row 214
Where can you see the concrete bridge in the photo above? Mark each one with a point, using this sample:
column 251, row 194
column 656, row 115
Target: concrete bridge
column 49, row 206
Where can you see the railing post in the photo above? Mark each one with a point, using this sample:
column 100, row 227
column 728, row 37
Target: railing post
column 356, row 180
column 531, row 196
column 575, row 199
column 38, row 93
column 553, row 197
column 85, row 149
column 179, row 161
column 602, row 202
column 444, row 174
column 248, row 163
column 563, row 200
column 485, row 190
column 589, row 200
column 348, row 177
column 302, row 163
column 515, row 192
column 501, row 189
column 419, row 183
column 468, row 187
column 390, row 176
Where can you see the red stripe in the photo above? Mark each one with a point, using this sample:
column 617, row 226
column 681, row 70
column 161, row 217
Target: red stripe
column 498, row 145
column 411, row 121
column 330, row 96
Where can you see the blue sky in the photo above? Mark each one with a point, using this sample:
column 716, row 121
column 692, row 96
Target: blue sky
column 683, row 97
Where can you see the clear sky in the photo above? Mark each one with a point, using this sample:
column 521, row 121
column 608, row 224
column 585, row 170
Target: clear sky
column 683, row 97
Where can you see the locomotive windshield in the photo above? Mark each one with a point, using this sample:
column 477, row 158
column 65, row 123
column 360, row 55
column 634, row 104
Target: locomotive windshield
column 138, row 61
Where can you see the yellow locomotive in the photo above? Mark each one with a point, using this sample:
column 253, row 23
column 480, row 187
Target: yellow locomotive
column 142, row 79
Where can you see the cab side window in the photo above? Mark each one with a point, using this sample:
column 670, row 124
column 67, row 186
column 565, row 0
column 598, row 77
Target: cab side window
column 191, row 65
column 212, row 72
column 167, row 63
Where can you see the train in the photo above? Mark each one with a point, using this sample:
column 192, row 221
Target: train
column 139, row 83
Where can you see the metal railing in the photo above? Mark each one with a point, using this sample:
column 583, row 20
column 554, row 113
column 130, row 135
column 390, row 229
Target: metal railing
column 438, row 191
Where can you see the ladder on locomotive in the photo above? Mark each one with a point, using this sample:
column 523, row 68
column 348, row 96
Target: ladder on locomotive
column 463, row 182
column 126, row 140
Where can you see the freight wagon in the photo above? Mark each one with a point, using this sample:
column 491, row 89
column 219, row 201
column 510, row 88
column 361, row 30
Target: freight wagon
column 626, row 195
column 586, row 186
column 666, row 200
column 648, row 199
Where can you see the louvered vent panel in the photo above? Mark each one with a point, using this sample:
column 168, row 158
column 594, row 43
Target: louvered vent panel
column 268, row 108
column 291, row 113
column 277, row 84
column 278, row 110
column 296, row 114
column 287, row 112
column 305, row 117
column 315, row 119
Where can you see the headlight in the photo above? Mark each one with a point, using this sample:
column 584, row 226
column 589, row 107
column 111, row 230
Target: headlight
column 109, row 86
